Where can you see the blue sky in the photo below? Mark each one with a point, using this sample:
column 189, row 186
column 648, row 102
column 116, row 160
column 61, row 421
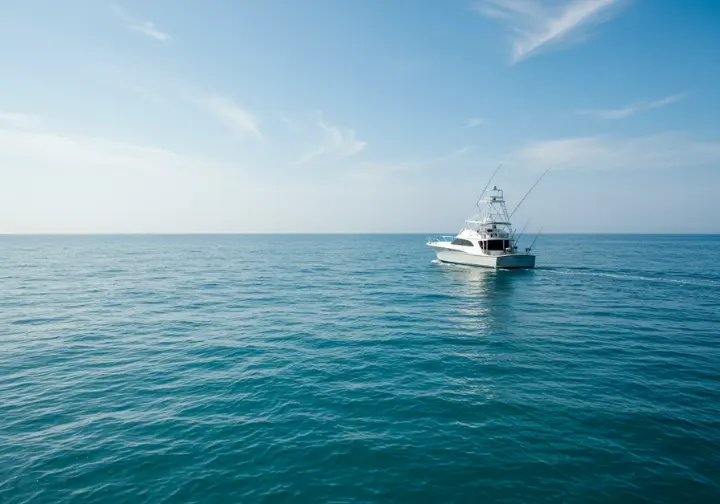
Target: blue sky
column 373, row 116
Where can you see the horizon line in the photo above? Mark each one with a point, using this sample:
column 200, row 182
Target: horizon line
column 369, row 233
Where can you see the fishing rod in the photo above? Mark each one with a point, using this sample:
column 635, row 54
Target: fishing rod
column 528, row 193
column 477, row 203
column 516, row 240
column 536, row 237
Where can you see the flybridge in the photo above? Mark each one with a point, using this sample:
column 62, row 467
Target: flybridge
column 495, row 214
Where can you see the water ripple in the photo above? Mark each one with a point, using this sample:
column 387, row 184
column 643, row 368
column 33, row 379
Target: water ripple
column 203, row 369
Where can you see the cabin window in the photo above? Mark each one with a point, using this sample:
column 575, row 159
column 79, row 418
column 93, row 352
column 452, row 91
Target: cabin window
column 460, row 241
column 497, row 244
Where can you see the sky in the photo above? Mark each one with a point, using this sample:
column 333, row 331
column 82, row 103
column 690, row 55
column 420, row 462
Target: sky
column 327, row 116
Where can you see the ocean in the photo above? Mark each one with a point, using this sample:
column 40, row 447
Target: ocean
column 354, row 368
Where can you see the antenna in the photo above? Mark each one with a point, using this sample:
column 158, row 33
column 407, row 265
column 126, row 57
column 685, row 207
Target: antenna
column 477, row 204
column 528, row 193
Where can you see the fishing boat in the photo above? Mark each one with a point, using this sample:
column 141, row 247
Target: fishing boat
column 488, row 238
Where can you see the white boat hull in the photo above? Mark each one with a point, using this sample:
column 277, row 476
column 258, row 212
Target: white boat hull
column 506, row 261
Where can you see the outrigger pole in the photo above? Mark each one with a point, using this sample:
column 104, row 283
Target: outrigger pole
column 528, row 193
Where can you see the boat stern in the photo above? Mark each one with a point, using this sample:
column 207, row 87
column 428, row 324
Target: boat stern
column 515, row 261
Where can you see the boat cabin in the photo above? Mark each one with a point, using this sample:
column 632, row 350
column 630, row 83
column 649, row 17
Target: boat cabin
column 487, row 238
column 495, row 245
column 494, row 237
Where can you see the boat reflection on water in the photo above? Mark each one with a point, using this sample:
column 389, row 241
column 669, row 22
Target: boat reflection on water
column 485, row 297
column 476, row 280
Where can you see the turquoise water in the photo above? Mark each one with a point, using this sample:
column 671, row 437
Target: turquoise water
column 344, row 369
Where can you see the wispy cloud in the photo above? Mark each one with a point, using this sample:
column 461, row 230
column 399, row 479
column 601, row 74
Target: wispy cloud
column 623, row 112
column 381, row 170
column 474, row 122
column 540, row 24
column 667, row 150
column 78, row 151
column 117, row 77
column 240, row 121
column 147, row 28
column 338, row 143
column 68, row 182
column 457, row 153
column 19, row 120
